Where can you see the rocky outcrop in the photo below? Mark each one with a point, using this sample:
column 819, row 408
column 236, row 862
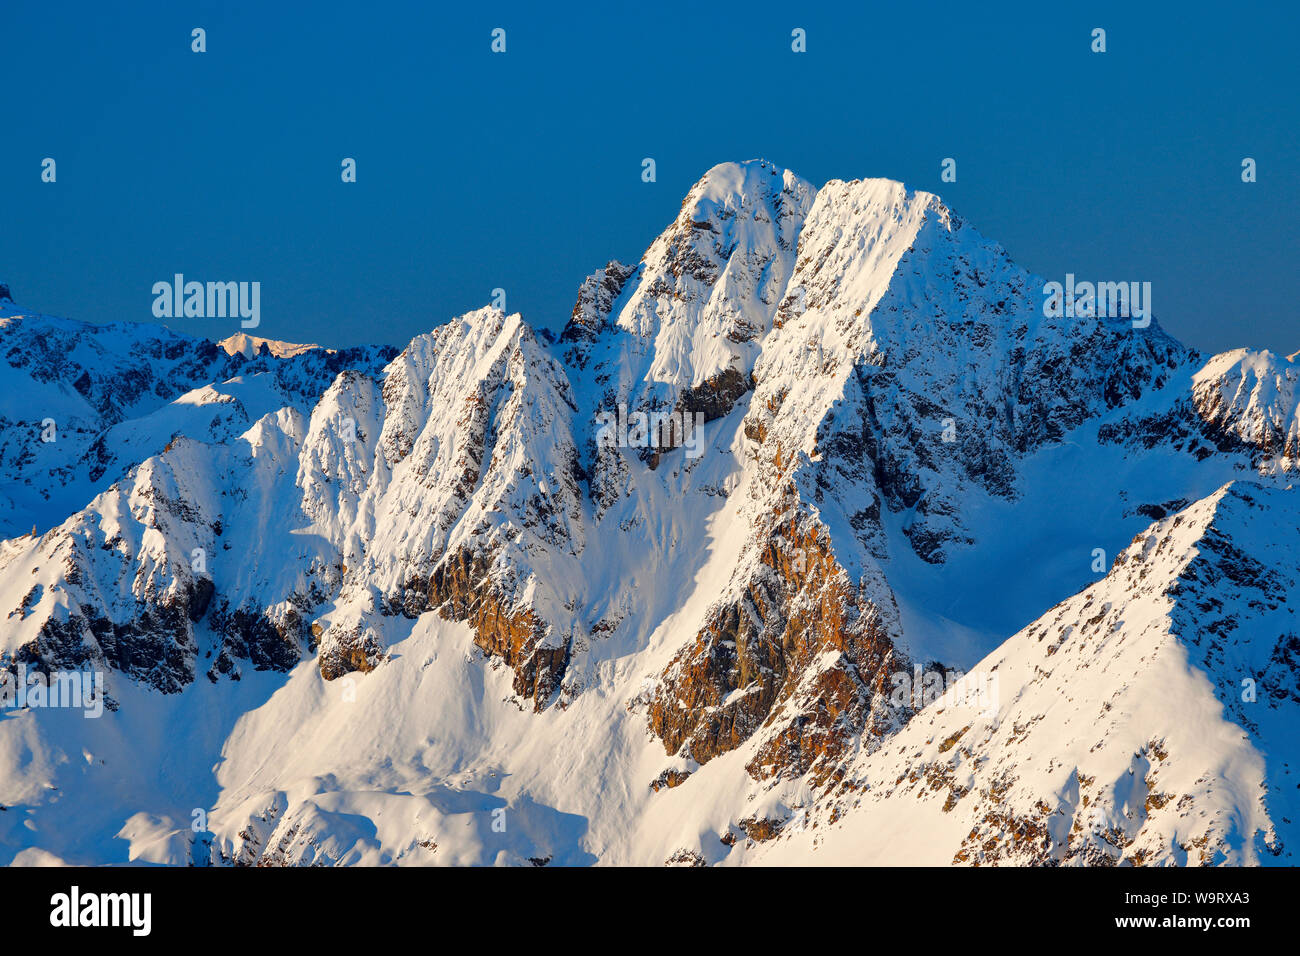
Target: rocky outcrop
column 462, row 588
column 349, row 650
column 800, row 657
column 267, row 638
column 591, row 312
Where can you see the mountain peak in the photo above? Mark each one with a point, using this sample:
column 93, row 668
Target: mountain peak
column 734, row 178
column 709, row 285
column 251, row 346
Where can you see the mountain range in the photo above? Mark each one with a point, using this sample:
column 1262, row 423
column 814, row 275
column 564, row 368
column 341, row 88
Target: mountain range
column 918, row 571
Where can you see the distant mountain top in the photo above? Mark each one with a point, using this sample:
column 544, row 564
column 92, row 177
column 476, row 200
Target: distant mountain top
column 251, row 346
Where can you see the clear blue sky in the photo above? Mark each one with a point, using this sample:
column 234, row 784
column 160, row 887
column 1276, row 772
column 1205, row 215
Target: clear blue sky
column 523, row 170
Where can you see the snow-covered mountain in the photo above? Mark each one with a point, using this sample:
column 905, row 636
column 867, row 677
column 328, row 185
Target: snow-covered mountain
column 81, row 403
column 682, row 586
column 1144, row 720
column 251, row 346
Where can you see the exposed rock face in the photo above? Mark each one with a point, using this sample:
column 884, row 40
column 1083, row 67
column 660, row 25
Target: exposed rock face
column 349, row 651
column 686, row 858
column 268, row 638
column 591, row 312
column 799, row 653
column 669, row 779
column 157, row 648
column 760, row 828
column 715, row 396
column 462, row 589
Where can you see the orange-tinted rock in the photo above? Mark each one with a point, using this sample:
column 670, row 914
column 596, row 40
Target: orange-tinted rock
column 759, row 829
column 461, row 589
column 668, row 779
column 801, row 655
column 347, row 652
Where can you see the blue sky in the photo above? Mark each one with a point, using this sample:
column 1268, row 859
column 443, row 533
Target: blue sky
column 523, row 170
